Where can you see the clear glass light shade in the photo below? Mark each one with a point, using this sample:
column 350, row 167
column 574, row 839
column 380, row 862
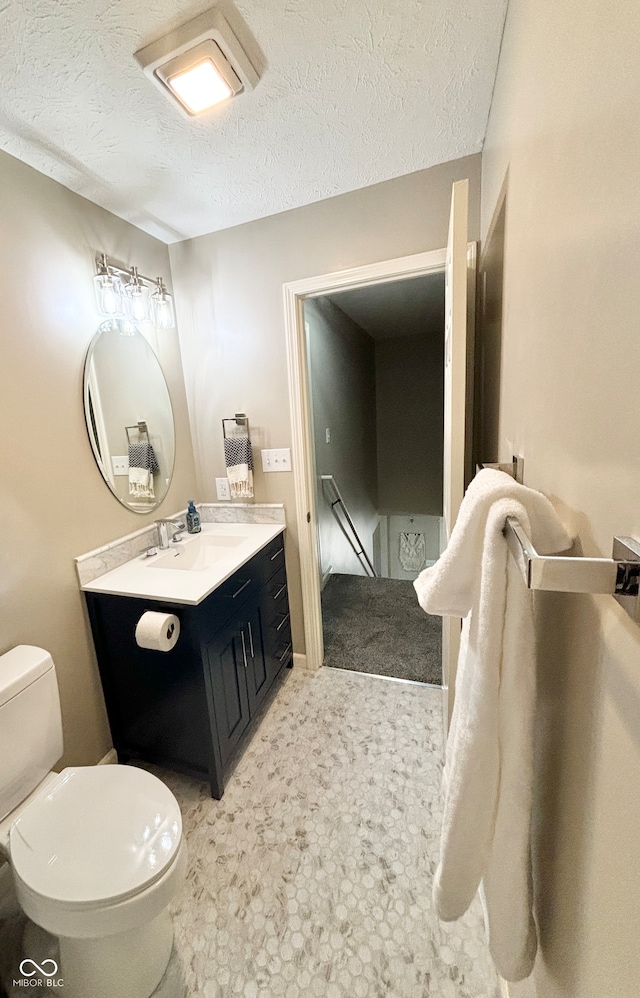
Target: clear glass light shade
column 108, row 289
column 162, row 303
column 137, row 304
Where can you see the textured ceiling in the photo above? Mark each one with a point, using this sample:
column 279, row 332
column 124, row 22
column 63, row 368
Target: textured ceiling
column 353, row 92
column 399, row 308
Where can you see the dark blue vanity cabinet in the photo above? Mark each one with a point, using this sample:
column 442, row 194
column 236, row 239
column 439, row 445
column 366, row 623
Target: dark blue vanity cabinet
column 190, row 709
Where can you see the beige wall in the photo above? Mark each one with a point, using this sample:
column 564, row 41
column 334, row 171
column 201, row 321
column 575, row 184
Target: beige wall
column 410, row 422
column 54, row 502
column 565, row 125
column 343, row 398
column 230, row 309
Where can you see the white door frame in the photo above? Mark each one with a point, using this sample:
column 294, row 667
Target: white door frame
column 303, row 462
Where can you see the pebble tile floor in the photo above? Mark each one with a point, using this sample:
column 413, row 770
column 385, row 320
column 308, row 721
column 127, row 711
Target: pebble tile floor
column 311, row 878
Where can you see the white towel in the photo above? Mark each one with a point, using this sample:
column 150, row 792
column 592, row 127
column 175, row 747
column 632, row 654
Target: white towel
column 141, row 482
column 142, row 466
column 488, row 774
column 238, row 457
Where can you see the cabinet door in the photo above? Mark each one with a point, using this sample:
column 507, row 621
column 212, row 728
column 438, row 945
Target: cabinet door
column 226, row 660
column 258, row 679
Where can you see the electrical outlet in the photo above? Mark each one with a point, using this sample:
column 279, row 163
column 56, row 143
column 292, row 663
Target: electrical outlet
column 276, row 460
column 327, row 435
column 120, row 464
column 222, row 488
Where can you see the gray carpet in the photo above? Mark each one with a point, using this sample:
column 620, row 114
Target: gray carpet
column 376, row 625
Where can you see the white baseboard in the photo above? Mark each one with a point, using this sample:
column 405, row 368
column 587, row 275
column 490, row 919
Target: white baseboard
column 300, row 662
column 523, row 989
column 110, row 759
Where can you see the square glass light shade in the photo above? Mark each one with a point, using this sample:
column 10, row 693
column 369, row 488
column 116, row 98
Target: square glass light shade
column 200, row 87
column 108, row 289
column 162, row 305
column 199, row 78
column 137, row 305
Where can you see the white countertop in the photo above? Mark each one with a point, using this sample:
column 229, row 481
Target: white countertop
column 139, row 577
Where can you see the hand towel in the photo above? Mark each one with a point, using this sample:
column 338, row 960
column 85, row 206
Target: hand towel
column 142, row 466
column 488, row 773
column 238, row 458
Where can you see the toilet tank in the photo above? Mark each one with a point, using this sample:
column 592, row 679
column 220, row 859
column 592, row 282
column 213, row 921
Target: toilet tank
column 30, row 723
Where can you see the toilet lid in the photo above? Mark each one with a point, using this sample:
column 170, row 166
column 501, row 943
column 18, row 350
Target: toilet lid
column 96, row 833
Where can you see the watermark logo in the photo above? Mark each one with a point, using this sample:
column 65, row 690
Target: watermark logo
column 28, row 968
column 36, row 975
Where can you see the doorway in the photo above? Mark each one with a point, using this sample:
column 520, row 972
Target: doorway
column 375, row 359
column 295, row 295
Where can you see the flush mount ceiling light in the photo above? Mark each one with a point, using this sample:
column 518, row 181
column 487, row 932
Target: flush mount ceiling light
column 199, row 64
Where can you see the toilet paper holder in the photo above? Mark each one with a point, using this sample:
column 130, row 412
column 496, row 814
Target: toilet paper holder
column 157, row 631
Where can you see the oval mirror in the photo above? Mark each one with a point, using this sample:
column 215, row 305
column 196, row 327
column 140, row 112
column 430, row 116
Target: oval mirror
column 129, row 415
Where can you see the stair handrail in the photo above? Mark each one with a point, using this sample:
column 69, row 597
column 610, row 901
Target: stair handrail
column 339, row 501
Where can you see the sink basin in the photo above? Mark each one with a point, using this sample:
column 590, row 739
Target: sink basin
column 197, row 554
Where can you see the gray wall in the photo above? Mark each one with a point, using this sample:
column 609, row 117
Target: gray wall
column 55, row 504
column 343, row 398
column 230, row 310
column 564, row 136
column 409, row 406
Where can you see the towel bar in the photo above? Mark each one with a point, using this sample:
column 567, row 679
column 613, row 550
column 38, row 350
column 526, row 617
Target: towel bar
column 515, row 468
column 617, row 576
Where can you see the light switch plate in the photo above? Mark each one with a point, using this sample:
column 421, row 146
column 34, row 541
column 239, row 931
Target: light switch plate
column 276, row 460
column 222, row 488
column 120, row 464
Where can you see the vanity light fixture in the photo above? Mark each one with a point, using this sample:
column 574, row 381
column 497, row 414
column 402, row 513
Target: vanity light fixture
column 108, row 289
column 141, row 299
column 137, row 305
column 162, row 303
column 199, row 64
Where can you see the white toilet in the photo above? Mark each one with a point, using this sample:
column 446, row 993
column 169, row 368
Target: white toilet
column 96, row 852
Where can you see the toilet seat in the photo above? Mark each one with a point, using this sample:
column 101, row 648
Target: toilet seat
column 96, row 836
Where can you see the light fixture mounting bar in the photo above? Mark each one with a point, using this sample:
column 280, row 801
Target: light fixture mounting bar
column 102, row 260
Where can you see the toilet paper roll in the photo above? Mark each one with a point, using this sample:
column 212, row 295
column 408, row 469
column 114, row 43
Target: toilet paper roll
column 157, row 631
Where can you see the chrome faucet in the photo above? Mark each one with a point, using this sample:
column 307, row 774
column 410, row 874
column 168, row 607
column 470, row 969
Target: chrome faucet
column 164, row 533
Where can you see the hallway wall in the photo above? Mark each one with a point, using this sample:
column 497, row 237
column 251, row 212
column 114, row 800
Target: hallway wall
column 410, row 422
column 564, row 131
column 342, row 382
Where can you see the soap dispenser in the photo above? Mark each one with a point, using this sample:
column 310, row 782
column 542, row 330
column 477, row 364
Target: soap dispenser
column 193, row 519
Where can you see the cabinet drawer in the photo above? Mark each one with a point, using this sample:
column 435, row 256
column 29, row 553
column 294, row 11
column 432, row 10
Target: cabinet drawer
column 242, row 584
column 277, row 629
column 273, row 557
column 276, row 587
column 224, row 602
column 283, row 652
